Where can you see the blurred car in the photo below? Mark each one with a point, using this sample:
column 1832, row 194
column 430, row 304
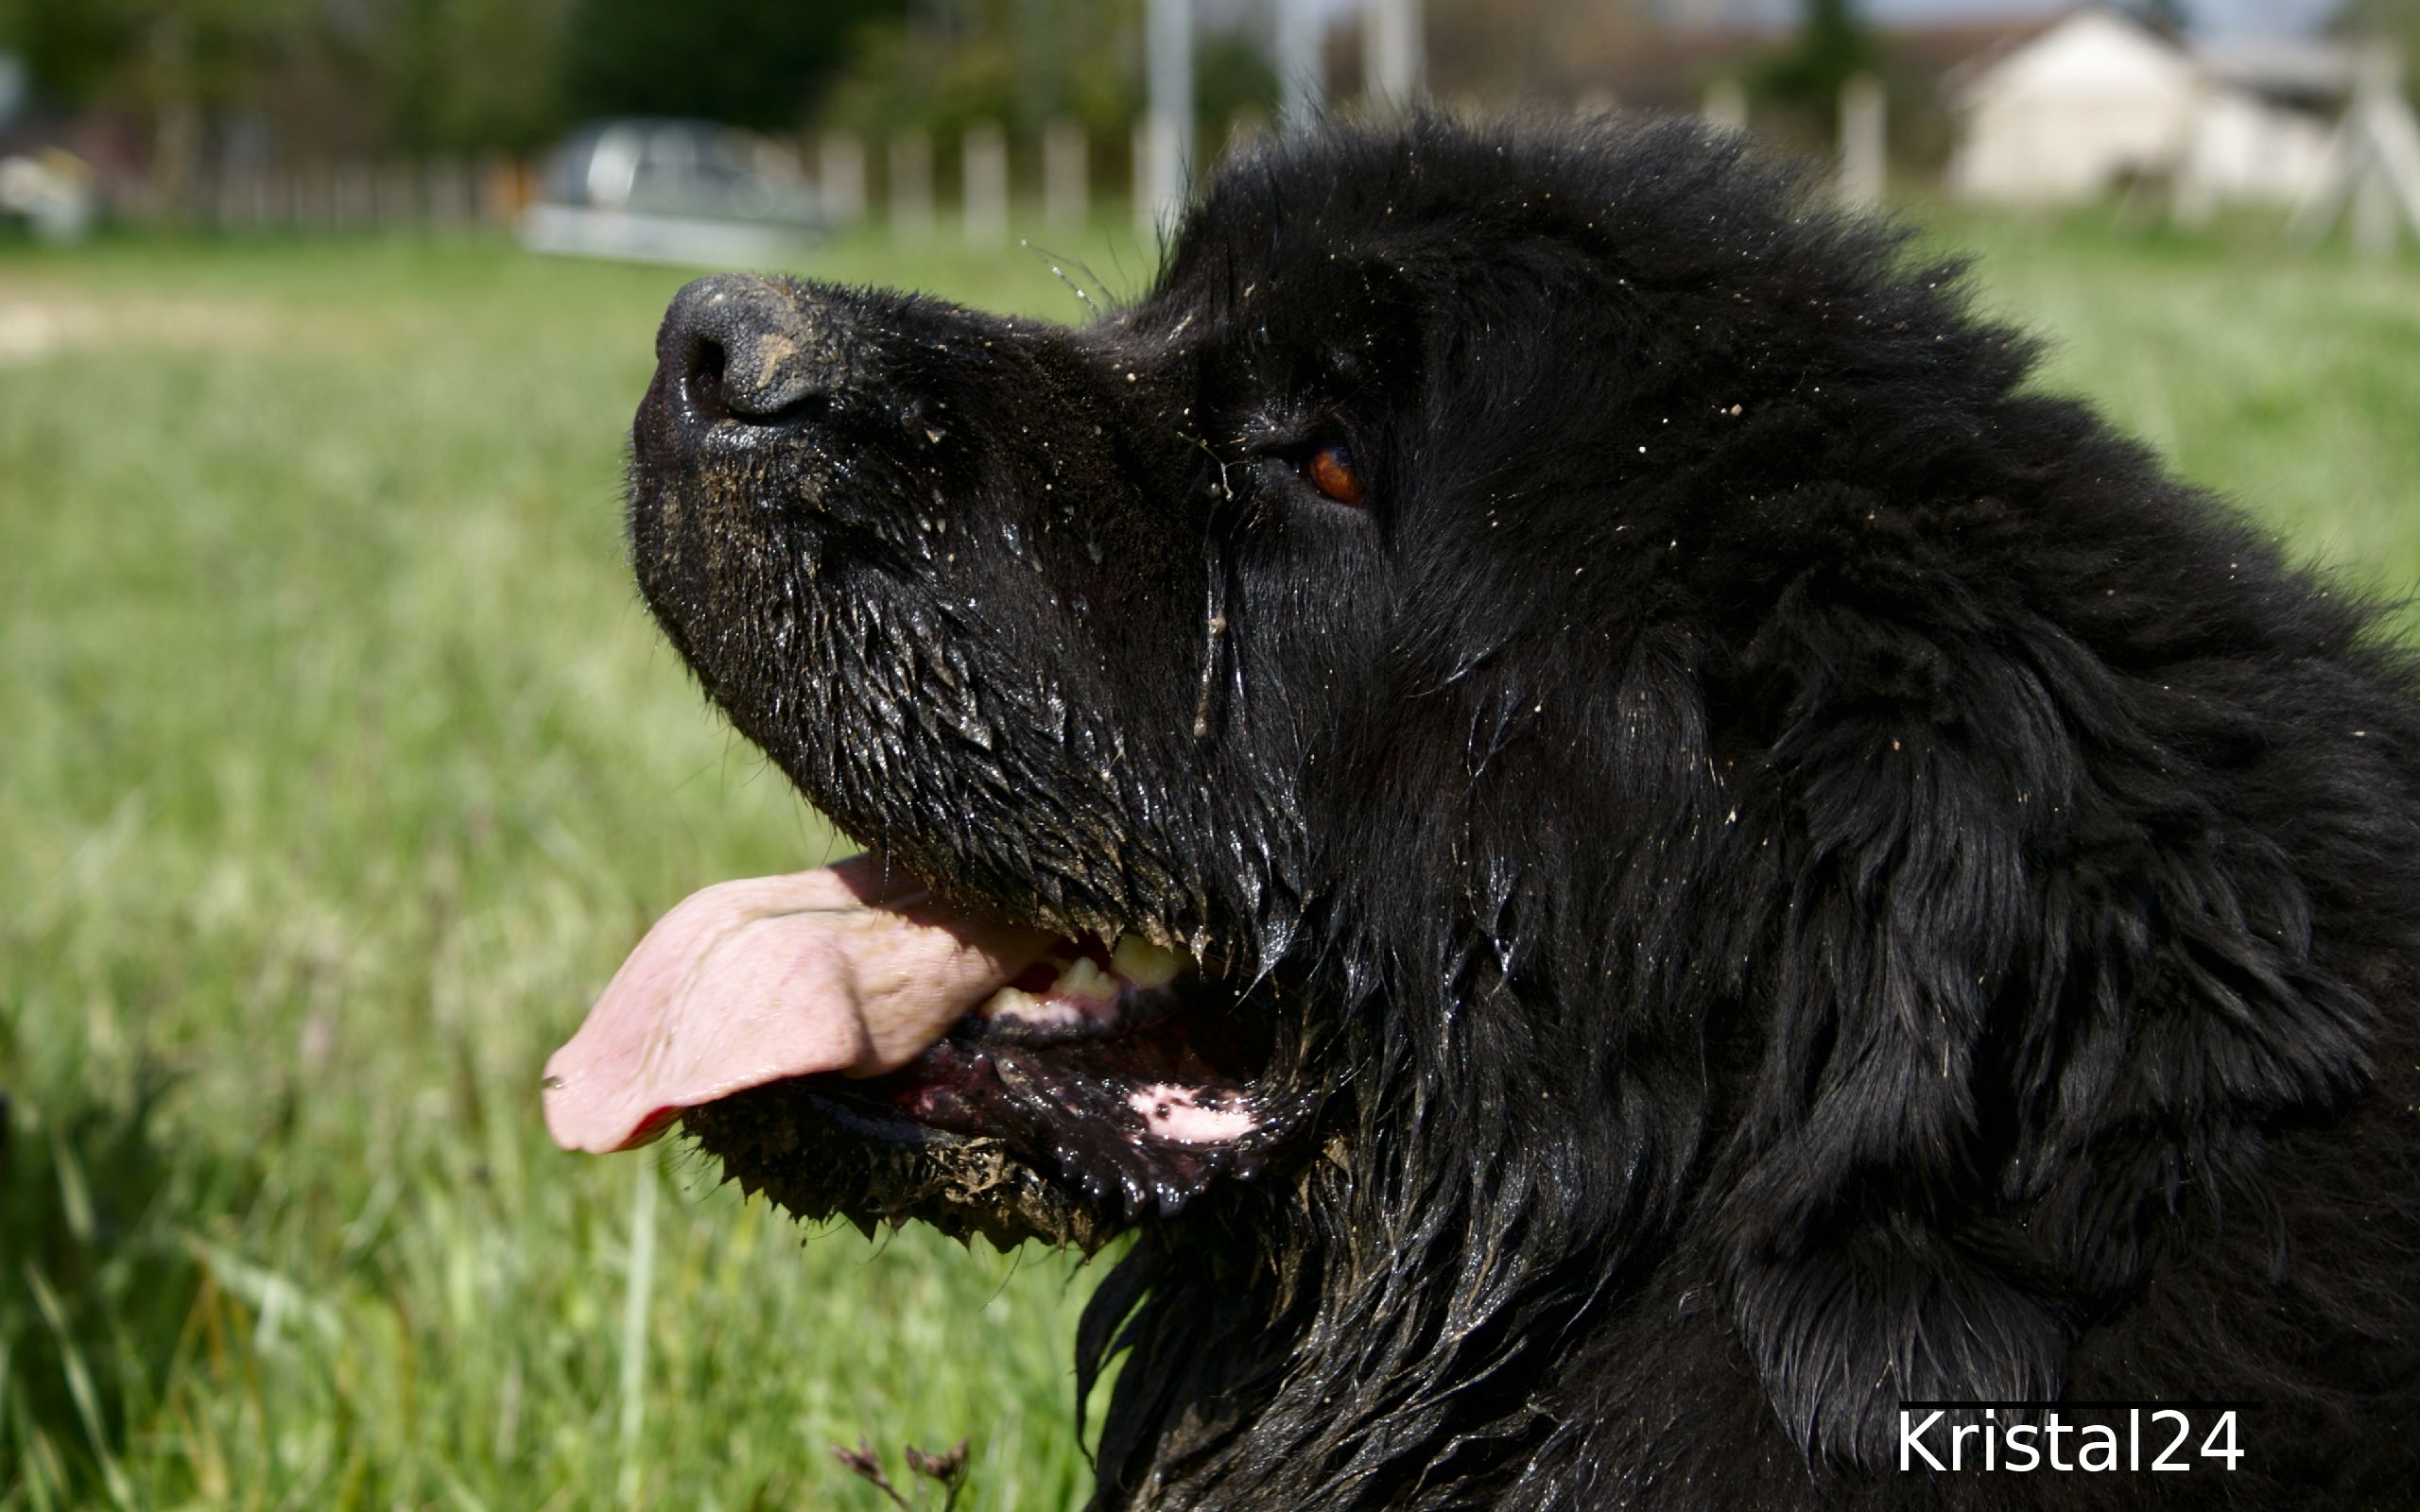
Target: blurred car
column 648, row 189
column 52, row 192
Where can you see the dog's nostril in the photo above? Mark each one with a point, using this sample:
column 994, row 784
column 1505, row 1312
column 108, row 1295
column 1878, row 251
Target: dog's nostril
column 701, row 380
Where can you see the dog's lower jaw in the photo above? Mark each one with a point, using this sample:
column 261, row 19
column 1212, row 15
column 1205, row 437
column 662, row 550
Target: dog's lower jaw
column 818, row 1166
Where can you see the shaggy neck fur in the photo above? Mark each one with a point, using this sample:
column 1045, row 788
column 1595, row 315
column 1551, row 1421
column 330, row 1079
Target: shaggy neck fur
column 1959, row 971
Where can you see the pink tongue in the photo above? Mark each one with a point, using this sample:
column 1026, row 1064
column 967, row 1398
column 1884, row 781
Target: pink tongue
column 750, row 982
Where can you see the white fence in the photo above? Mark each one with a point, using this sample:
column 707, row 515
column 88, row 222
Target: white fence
column 975, row 186
column 358, row 193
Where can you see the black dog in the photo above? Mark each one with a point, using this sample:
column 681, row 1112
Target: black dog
column 1617, row 851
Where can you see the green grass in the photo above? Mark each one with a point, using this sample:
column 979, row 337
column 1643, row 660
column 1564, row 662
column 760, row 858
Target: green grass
column 339, row 767
column 2289, row 381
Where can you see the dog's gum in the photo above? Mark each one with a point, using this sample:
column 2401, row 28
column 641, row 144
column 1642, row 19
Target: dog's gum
column 1179, row 1114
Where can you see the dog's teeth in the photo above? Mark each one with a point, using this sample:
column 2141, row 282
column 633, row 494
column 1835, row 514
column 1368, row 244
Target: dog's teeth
column 1143, row 963
column 1083, row 979
column 1012, row 1002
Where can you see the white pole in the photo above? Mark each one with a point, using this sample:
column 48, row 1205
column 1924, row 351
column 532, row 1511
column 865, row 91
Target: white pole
column 2194, row 198
column 2374, row 164
column 2373, row 221
column 840, row 173
column 1169, row 43
column 1726, row 104
column 2390, row 175
column 1394, row 66
column 911, row 185
column 1065, row 175
column 983, row 182
column 1146, row 222
column 1302, row 65
column 1863, row 143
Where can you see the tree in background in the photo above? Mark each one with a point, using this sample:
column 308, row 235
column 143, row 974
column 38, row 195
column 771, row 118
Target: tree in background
column 468, row 74
column 174, row 72
column 743, row 62
column 72, row 46
column 203, row 84
column 1834, row 45
column 1550, row 49
column 186, row 52
column 1797, row 88
column 429, row 75
column 1025, row 63
column 327, row 76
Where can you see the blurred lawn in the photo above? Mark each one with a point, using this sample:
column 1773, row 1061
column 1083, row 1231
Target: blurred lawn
column 340, row 767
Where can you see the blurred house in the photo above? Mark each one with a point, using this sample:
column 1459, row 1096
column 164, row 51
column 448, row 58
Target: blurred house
column 2095, row 103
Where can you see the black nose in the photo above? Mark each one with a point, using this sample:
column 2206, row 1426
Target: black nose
column 736, row 347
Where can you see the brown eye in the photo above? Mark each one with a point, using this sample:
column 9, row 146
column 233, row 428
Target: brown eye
column 1329, row 468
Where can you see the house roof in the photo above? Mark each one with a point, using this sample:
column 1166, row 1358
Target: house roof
column 2089, row 52
column 2306, row 69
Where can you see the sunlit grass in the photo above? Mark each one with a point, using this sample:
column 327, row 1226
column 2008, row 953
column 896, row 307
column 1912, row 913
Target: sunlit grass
column 2280, row 377
column 339, row 767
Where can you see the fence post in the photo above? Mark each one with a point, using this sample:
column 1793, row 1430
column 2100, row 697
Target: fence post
column 1727, row 105
column 1065, row 175
column 1147, row 217
column 1863, row 143
column 1395, row 66
column 397, row 194
column 356, row 193
column 911, row 185
column 449, row 193
column 499, row 192
column 840, row 173
column 315, row 196
column 983, row 184
column 1167, row 139
column 1302, row 65
column 233, row 191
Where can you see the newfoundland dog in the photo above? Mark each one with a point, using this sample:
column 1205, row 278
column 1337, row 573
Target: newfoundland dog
column 1644, row 879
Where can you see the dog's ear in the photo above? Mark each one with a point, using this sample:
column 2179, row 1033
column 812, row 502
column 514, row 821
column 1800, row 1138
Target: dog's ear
column 2012, row 936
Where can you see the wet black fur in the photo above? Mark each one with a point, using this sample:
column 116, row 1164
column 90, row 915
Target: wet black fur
column 1800, row 872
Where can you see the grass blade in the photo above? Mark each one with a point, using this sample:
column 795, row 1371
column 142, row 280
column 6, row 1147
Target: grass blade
column 634, row 1310
column 79, row 1386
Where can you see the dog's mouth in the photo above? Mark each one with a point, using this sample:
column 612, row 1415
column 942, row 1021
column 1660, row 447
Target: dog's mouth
column 1121, row 1069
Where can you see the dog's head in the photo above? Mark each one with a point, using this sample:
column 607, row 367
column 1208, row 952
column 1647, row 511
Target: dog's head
column 1271, row 607
column 1384, row 743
